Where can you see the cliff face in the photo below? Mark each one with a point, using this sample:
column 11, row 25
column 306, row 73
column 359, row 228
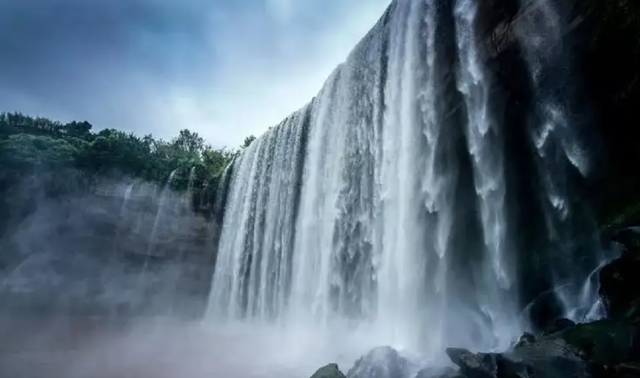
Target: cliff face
column 601, row 37
column 601, row 74
column 611, row 66
column 116, row 250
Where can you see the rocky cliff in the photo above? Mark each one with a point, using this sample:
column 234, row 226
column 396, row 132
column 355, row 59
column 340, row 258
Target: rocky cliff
column 117, row 249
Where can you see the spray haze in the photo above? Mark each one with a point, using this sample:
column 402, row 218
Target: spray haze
column 163, row 348
column 89, row 251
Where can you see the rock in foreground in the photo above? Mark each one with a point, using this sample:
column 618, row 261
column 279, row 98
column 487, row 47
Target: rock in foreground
column 608, row 348
column 620, row 280
column 328, row 371
column 382, row 362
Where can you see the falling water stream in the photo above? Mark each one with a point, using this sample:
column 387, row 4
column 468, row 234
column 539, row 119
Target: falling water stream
column 382, row 207
column 162, row 203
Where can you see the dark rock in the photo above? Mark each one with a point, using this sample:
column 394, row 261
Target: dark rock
column 544, row 309
column 630, row 370
column 605, row 342
column 585, row 349
column 551, row 359
column 549, row 356
column 481, row 365
column 559, row 325
column 435, row 372
column 620, row 280
column 328, row 371
column 511, row 368
column 544, row 359
column 382, row 362
column 608, row 348
column 526, row 338
column 628, row 237
column 612, row 81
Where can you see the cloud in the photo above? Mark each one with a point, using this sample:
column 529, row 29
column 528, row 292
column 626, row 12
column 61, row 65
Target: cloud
column 283, row 9
column 223, row 68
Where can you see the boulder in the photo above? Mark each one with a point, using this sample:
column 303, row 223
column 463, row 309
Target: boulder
column 328, row 371
column 605, row 348
column 620, row 281
column 559, row 325
column 550, row 361
column 525, row 339
column 472, row 365
column 605, row 342
column 382, row 362
column 630, row 370
column 438, row 372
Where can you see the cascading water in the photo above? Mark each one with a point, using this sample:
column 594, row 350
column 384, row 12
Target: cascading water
column 253, row 265
column 383, row 204
column 162, row 203
column 558, row 136
column 485, row 143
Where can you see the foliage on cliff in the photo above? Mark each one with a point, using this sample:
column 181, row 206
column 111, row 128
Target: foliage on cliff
column 29, row 145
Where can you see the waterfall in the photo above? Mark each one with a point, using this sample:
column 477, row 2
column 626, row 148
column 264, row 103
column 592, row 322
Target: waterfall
column 385, row 204
column 253, row 267
column 561, row 157
column 485, row 143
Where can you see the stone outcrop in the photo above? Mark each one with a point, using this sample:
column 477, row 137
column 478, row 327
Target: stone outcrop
column 620, row 280
column 382, row 362
column 328, row 371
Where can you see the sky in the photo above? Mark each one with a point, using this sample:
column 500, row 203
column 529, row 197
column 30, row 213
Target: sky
column 223, row 68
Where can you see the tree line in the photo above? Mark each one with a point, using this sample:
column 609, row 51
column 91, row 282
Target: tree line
column 29, row 144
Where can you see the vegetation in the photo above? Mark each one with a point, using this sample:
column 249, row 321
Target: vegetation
column 29, row 145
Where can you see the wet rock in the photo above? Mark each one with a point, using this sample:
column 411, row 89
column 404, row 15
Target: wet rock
column 620, row 281
column 382, row 362
column 605, row 342
column 526, row 338
column 546, row 307
column 481, row 365
column 545, row 358
column 328, row 371
column 529, row 363
column 559, row 325
column 629, row 370
column 435, row 372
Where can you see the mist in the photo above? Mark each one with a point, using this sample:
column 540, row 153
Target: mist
column 159, row 347
column 87, row 268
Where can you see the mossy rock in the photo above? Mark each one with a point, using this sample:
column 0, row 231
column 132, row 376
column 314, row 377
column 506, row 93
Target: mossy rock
column 606, row 342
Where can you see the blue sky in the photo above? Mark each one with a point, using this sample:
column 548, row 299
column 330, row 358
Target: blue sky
column 223, row 68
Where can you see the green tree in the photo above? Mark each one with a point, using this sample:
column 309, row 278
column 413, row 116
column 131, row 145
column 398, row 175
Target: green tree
column 22, row 150
column 27, row 142
column 248, row 140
